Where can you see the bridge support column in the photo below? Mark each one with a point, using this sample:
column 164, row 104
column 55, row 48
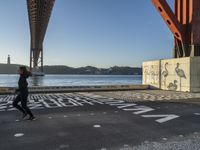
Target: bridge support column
column 184, row 23
column 183, row 71
column 36, row 65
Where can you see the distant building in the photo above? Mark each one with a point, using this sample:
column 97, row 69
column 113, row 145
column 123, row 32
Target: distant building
column 8, row 59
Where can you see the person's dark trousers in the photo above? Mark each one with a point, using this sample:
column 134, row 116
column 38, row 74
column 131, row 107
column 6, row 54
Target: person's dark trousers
column 23, row 98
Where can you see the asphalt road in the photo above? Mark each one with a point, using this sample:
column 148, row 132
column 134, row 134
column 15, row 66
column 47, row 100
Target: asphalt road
column 84, row 122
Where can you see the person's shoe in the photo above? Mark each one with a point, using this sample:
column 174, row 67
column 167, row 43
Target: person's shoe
column 32, row 118
column 24, row 116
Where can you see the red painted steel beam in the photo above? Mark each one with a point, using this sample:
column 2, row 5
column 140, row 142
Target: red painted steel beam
column 170, row 18
column 183, row 11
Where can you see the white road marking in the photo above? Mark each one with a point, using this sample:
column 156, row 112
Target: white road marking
column 93, row 100
column 96, row 126
column 35, row 105
column 113, row 102
column 64, row 146
column 74, row 102
column 198, row 114
column 83, row 101
column 39, row 101
column 165, row 139
column 19, row 135
column 3, row 106
column 139, row 109
column 164, row 118
column 126, row 105
column 125, row 145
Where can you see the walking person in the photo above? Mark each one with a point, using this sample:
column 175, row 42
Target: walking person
column 23, row 94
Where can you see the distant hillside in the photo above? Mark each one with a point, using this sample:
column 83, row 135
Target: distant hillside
column 12, row 69
column 92, row 70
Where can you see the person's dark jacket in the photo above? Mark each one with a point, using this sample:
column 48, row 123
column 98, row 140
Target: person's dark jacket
column 23, row 84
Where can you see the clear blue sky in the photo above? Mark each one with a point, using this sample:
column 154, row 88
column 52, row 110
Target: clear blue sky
column 100, row 33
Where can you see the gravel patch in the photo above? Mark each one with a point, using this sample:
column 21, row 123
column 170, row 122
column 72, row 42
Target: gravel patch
column 191, row 142
column 151, row 95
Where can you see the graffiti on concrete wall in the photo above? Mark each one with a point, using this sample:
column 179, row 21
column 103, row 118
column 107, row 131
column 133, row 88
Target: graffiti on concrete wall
column 151, row 74
column 180, row 73
column 170, row 75
column 174, row 85
column 165, row 73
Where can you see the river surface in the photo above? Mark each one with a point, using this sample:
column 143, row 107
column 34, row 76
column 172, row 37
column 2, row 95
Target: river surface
column 71, row 80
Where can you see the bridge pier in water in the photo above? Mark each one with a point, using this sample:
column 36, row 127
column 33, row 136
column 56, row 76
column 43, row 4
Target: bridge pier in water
column 36, row 66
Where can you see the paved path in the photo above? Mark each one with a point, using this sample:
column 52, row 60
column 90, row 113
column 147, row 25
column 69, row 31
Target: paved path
column 86, row 121
column 151, row 95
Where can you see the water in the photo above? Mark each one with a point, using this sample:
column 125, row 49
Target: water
column 72, row 80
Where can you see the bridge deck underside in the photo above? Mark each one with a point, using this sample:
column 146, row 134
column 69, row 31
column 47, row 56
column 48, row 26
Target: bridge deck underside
column 39, row 12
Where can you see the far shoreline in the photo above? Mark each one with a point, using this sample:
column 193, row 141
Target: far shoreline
column 66, row 70
column 86, row 74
